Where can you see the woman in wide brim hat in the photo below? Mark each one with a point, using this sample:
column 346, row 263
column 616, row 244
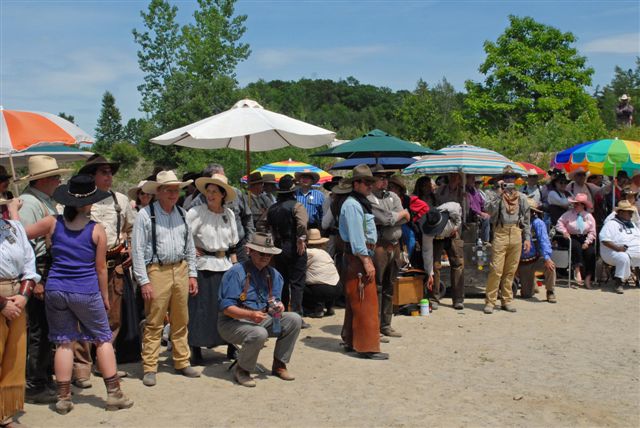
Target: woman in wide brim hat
column 164, row 178
column 138, row 198
column 220, row 181
column 80, row 191
column 331, row 184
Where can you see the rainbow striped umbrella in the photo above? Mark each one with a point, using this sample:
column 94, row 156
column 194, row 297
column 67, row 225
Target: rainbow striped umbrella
column 605, row 157
column 290, row 167
column 463, row 158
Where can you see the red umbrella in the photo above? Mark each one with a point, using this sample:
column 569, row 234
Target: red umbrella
column 529, row 166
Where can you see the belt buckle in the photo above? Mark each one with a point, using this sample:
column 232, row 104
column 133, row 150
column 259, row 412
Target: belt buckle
column 111, row 264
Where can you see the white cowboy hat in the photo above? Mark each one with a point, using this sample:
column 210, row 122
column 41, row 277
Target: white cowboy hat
column 624, row 97
column 315, row 238
column 219, row 180
column 164, row 178
column 133, row 192
column 43, row 167
column 263, row 242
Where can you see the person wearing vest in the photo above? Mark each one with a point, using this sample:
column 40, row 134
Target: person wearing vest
column 510, row 218
column 37, row 203
column 356, row 225
column 287, row 220
column 311, row 199
column 164, row 264
column 270, row 187
column 116, row 216
column 251, row 310
column 620, row 240
column 259, row 202
column 538, row 258
column 532, row 188
column 18, row 277
column 389, row 216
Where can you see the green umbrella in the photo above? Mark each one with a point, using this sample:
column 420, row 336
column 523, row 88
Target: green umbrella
column 377, row 144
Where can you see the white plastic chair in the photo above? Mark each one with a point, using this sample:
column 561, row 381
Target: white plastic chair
column 562, row 259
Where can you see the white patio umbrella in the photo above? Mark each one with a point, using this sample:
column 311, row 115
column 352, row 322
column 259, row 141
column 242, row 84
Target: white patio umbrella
column 247, row 126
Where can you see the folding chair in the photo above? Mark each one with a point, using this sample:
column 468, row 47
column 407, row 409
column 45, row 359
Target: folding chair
column 562, row 259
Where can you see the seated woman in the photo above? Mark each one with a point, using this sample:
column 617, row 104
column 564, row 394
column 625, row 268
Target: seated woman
column 323, row 284
column 558, row 197
column 579, row 226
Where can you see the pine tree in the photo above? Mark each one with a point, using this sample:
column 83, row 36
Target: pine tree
column 109, row 129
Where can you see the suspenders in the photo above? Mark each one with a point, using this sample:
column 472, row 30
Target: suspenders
column 154, row 239
column 118, row 209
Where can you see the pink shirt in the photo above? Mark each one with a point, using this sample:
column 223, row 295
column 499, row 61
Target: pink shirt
column 568, row 222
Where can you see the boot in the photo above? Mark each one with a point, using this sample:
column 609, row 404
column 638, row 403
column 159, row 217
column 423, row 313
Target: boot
column 619, row 288
column 116, row 399
column 64, row 404
column 196, row 356
column 280, row 369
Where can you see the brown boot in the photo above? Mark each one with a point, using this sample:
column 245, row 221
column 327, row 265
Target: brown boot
column 64, row 404
column 280, row 369
column 116, row 399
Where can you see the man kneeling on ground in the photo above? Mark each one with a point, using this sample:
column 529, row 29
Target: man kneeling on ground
column 252, row 311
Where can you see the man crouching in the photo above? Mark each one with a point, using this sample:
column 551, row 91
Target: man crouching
column 251, row 311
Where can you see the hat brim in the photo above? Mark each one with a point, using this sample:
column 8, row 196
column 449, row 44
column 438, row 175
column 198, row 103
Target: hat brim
column 4, row 201
column 572, row 174
column 62, row 196
column 92, row 168
column 314, row 176
column 53, row 172
column 318, row 241
column 586, row 203
column 202, row 182
column 133, row 193
column 268, row 250
column 337, row 190
column 152, row 186
column 329, row 185
column 437, row 228
column 291, row 190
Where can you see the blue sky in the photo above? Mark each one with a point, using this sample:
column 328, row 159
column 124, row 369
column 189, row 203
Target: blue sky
column 62, row 55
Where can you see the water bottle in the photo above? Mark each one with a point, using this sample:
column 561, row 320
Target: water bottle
column 424, row 307
column 276, row 315
column 480, row 257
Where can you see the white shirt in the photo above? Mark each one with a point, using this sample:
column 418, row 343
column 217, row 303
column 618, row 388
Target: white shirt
column 320, row 268
column 213, row 232
column 17, row 259
column 613, row 231
column 635, row 219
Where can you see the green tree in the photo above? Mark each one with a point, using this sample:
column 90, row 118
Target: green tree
column 125, row 153
column 533, row 72
column 68, row 117
column 109, row 127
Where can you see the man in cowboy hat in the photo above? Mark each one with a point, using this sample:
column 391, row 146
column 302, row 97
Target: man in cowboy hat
column 532, row 188
column 37, row 203
column 250, row 302
column 632, row 197
column 361, row 328
column 322, row 282
column 164, row 264
column 259, row 202
column 311, row 199
column 538, row 258
column 287, row 220
column 620, row 240
column 117, row 217
column 509, row 211
column 389, row 218
column 624, row 111
column 332, row 213
column 270, row 186
column 579, row 184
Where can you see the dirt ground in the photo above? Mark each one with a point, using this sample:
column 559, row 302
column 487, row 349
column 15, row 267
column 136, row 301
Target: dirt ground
column 575, row 363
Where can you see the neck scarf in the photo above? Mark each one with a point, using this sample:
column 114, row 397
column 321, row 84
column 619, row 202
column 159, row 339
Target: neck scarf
column 580, row 223
column 510, row 202
column 366, row 204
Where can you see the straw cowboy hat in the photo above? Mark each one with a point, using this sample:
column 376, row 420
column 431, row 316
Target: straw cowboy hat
column 627, row 190
column 579, row 170
column 133, row 192
column 269, row 179
column 94, row 162
column 624, row 97
column 286, row 185
column 533, row 205
column 80, row 191
column 508, row 171
column 395, row 179
column 255, row 178
column 582, row 198
column 164, row 178
column 331, row 184
column 43, row 167
column 532, row 173
column 362, row 172
column 378, row 169
column 307, row 172
column 625, row 205
column 263, row 242
column 343, row 188
column 219, row 180
column 315, row 238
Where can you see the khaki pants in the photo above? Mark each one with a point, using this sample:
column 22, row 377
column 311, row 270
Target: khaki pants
column 507, row 246
column 527, row 274
column 171, row 291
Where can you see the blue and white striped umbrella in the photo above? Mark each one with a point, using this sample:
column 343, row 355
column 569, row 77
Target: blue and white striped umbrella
column 463, row 158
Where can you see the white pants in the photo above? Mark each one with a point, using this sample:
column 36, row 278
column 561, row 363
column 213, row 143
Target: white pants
column 622, row 261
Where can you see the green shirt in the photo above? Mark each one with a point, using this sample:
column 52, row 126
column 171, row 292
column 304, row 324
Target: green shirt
column 36, row 205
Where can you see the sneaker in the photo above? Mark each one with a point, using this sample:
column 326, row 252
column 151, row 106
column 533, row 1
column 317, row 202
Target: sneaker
column 243, row 377
column 390, row 332
column 551, row 297
column 488, row 309
column 149, row 379
column 509, row 307
column 458, row 306
column 188, row 372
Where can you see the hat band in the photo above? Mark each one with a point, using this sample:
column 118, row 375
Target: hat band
column 83, row 195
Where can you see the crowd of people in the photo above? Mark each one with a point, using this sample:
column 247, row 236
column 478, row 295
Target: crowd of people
column 88, row 274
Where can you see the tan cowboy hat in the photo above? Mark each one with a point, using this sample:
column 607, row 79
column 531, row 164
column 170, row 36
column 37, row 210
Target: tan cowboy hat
column 508, row 171
column 219, row 180
column 533, row 205
column 362, row 172
column 43, row 167
column 133, row 192
column 582, row 198
column 269, row 179
column 395, row 179
column 94, row 162
column 342, row 188
column 572, row 174
column 314, row 175
column 164, row 178
column 263, row 242
column 4, row 201
column 532, row 173
column 315, row 238
column 625, row 205
column 624, row 97
column 378, row 169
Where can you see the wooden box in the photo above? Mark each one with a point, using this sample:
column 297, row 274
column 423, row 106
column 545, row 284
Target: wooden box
column 408, row 289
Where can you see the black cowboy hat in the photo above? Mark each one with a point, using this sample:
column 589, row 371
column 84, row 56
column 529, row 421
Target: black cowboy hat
column 79, row 191
column 255, row 178
column 330, row 184
column 435, row 222
column 94, row 162
column 286, row 184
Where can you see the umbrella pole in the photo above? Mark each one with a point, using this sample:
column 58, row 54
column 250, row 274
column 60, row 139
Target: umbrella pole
column 247, row 146
column 13, row 174
column 613, row 187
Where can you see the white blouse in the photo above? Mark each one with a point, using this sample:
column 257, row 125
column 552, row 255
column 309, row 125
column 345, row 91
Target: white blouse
column 212, row 232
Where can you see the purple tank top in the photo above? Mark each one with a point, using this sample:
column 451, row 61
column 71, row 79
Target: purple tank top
column 74, row 260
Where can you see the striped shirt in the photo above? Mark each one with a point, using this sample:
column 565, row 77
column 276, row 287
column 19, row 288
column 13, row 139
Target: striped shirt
column 170, row 237
column 312, row 201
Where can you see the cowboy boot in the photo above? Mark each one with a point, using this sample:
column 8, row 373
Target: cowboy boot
column 280, row 369
column 116, row 399
column 64, row 404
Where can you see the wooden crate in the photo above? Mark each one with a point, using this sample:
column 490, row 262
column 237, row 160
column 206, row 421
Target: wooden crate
column 408, row 289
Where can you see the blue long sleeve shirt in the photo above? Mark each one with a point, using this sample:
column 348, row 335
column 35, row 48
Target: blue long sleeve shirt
column 258, row 293
column 542, row 245
column 357, row 227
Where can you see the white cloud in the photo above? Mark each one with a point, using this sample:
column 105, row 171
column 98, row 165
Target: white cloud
column 275, row 58
column 628, row 43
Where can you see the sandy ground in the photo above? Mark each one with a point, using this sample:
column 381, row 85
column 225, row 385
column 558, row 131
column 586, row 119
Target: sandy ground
column 575, row 363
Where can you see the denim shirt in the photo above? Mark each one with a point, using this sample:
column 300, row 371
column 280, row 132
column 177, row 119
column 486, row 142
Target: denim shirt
column 357, row 227
column 542, row 245
column 257, row 296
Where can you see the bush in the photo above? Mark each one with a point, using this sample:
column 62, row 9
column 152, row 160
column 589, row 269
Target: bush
column 126, row 154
